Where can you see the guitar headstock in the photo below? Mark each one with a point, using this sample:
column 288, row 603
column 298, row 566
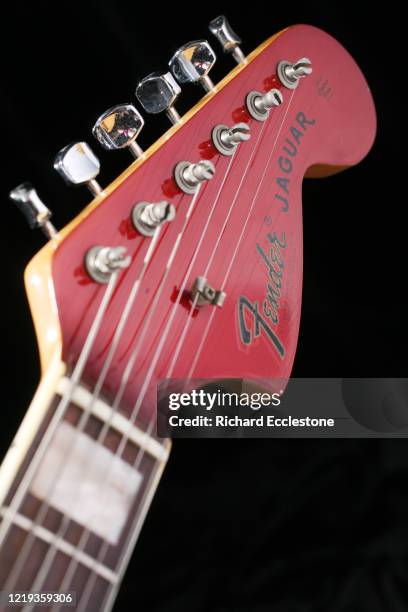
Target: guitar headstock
column 202, row 233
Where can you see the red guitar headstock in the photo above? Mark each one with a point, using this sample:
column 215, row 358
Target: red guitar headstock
column 217, row 292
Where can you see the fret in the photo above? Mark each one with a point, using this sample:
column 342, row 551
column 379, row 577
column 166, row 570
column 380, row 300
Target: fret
column 82, row 398
column 104, row 582
column 65, row 535
column 62, row 545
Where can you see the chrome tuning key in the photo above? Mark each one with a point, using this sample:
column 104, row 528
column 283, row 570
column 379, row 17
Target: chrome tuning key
column 36, row 213
column 259, row 105
column 226, row 139
column 102, row 261
column 119, row 127
column 188, row 176
column 289, row 74
column 229, row 41
column 78, row 165
column 192, row 63
column 146, row 217
column 157, row 93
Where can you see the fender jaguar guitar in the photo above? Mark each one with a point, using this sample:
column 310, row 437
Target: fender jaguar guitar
column 188, row 265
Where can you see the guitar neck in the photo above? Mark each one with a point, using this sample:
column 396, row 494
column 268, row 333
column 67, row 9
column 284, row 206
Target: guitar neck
column 74, row 508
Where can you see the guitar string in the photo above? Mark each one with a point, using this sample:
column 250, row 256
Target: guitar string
column 213, row 252
column 135, row 529
column 151, row 370
column 126, row 547
column 180, row 293
column 141, row 452
column 193, row 305
column 24, row 485
column 194, row 302
column 17, row 567
column 132, row 538
column 86, row 534
column 211, row 318
column 189, row 375
column 65, row 522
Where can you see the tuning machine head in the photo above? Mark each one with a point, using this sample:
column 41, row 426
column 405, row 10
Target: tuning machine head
column 289, row 74
column 192, row 63
column 119, row 127
column 78, row 165
column 259, row 105
column 34, row 210
column 157, row 93
column 226, row 36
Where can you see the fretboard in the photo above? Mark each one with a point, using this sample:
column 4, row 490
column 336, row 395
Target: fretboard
column 77, row 523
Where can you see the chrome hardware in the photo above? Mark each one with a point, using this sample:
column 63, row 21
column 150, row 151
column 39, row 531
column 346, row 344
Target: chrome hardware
column 202, row 293
column 192, row 63
column 119, row 127
column 230, row 41
column 188, row 175
column 226, row 139
column 77, row 164
column 259, row 104
column 146, row 216
column 289, row 74
column 101, row 262
column 157, row 93
column 34, row 210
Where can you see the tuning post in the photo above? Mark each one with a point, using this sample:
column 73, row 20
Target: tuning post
column 226, row 139
column 101, row 262
column 192, row 63
column 289, row 74
column 34, row 210
column 146, row 217
column 118, row 128
column 188, row 176
column 157, row 93
column 229, row 41
column 203, row 293
column 78, row 165
column 259, row 105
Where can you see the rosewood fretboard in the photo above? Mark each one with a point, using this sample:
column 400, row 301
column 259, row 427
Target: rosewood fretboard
column 79, row 521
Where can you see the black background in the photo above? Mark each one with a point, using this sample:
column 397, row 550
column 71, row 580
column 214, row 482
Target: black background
column 236, row 525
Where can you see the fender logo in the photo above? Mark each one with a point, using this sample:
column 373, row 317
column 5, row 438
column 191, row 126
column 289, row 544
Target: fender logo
column 250, row 327
column 285, row 163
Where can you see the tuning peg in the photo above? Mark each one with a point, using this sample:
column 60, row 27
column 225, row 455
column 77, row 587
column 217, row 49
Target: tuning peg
column 119, row 127
column 157, row 93
column 103, row 261
column 148, row 216
column 34, row 210
column 78, row 165
column 188, row 175
column 289, row 74
column 259, row 105
column 229, row 41
column 192, row 63
column 227, row 139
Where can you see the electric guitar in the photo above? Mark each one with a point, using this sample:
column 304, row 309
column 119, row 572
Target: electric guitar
column 189, row 265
